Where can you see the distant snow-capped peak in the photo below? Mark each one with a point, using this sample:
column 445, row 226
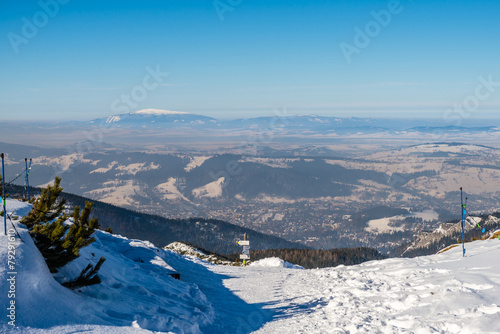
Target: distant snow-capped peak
column 145, row 112
column 158, row 112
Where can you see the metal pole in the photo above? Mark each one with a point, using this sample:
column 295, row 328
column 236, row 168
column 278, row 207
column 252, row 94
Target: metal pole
column 463, row 206
column 244, row 238
column 3, row 197
column 27, row 177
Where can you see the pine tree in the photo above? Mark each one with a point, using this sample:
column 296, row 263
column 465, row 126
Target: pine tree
column 46, row 207
column 58, row 241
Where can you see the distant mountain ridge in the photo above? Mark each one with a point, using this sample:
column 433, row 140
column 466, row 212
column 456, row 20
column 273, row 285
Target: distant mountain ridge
column 281, row 124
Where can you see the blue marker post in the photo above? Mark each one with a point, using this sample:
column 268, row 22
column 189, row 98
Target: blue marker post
column 464, row 212
column 27, row 182
column 3, row 197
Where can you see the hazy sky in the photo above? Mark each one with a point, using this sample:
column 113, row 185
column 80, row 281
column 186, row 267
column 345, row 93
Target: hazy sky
column 243, row 58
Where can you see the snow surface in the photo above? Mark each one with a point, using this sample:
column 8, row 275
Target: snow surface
column 133, row 169
column 383, row 225
column 113, row 119
column 118, row 193
column 190, row 251
column 212, row 189
column 444, row 293
column 196, row 162
column 275, row 200
column 169, row 190
column 105, row 169
column 271, row 162
column 63, row 162
column 158, row 112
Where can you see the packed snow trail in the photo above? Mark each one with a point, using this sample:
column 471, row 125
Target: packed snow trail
column 442, row 293
column 435, row 294
column 233, row 313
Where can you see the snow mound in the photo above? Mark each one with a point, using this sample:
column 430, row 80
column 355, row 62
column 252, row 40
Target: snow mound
column 274, row 262
column 136, row 290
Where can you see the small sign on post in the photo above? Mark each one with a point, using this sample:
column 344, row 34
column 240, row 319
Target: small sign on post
column 245, row 254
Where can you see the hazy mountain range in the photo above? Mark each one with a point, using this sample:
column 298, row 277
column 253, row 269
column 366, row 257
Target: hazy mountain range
column 153, row 126
column 281, row 121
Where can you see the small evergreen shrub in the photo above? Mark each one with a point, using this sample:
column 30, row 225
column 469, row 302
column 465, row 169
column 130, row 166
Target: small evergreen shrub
column 60, row 242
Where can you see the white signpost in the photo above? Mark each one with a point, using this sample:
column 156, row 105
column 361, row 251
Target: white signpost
column 245, row 254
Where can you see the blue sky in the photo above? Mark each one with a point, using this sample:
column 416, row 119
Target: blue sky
column 242, row 58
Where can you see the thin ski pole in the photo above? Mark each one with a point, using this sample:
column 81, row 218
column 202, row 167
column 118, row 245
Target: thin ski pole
column 3, row 197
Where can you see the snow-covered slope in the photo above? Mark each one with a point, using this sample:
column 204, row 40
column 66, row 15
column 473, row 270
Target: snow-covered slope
column 136, row 290
column 444, row 293
column 212, row 189
column 191, row 252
